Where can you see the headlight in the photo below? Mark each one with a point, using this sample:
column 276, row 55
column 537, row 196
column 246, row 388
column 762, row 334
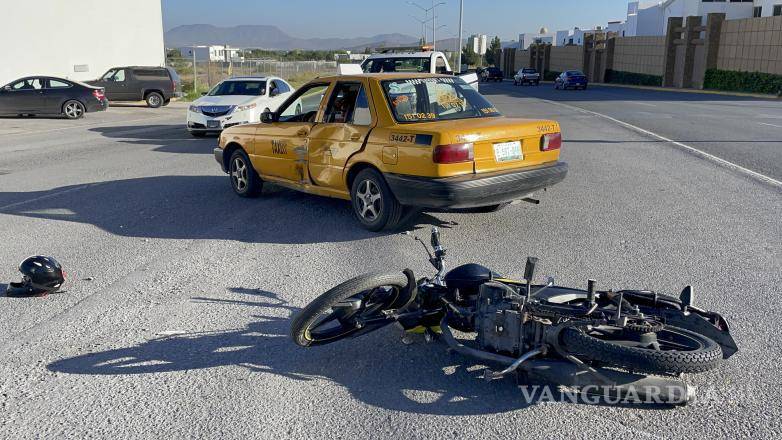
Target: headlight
column 195, row 109
column 241, row 108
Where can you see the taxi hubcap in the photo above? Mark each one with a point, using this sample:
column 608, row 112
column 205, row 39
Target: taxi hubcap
column 239, row 174
column 369, row 200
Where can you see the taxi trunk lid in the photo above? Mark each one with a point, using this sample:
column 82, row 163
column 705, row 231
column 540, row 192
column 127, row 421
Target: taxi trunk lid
column 501, row 143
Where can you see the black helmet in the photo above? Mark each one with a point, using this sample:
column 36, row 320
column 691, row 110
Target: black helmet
column 40, row 276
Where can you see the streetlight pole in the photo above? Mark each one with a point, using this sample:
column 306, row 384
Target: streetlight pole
column 461, row 34
column 195, row 73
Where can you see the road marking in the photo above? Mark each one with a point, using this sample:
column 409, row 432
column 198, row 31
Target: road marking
column 770, row 125
column 702, row 154
column 48, row 196
column 641, row 103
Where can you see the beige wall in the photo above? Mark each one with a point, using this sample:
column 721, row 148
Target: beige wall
column 640, row 55
column 522, row 59
column 566, row 58
column 751, row 45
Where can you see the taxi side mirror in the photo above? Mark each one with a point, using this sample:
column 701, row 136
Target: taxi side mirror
column 268, row 117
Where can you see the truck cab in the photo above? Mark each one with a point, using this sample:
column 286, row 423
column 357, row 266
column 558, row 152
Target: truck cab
column 433, row 62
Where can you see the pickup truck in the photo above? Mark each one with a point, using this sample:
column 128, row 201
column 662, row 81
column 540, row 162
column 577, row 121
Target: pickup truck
column 526, row 76
column 414, row 62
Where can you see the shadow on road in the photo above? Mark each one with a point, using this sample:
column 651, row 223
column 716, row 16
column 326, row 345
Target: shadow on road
column 376, row 369
column 196, row 207
column 169, row 138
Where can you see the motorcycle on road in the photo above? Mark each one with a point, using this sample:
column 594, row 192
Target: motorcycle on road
column 618, row 343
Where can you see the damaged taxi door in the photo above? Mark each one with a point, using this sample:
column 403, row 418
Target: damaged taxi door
column 281, row 146
column 345, row 124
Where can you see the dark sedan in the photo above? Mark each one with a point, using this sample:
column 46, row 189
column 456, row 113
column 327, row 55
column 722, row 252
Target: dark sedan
column 43, row 95
column 492, row 74
column 571, row 79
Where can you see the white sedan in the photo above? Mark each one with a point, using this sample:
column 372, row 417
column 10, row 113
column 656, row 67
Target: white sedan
column 236, row 101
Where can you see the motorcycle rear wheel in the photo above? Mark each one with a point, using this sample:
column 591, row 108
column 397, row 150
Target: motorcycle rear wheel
column 675, row 351
column 353, row 308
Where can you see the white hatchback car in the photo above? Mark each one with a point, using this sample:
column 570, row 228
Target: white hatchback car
column 236, row 101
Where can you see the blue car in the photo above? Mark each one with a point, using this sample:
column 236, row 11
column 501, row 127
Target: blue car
column 571, row 79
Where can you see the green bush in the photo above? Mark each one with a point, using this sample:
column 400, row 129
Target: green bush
column 550, row 75
column 748, row 82
column 632, row 78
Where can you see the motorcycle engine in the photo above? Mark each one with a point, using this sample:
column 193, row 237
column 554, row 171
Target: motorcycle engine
column 499, row 320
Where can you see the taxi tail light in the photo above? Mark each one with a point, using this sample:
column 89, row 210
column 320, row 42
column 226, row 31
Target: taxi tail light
column 551, row 141
column 454, row 153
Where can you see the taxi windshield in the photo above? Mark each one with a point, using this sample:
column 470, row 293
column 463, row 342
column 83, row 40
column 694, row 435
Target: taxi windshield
column 435, row 99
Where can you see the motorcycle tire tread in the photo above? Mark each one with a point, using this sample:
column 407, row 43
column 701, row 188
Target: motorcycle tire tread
column 641, row 360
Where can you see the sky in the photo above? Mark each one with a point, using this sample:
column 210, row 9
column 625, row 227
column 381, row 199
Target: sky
column 363, row 18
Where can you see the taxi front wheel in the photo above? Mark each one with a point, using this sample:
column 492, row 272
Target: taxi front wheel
column 373, row 202
column 244, row 179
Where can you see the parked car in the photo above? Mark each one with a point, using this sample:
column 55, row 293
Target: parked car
column 387, row 142
column 155, row 85
column 571, row 79
column 236, row 101
column 492, row 74
column 39, row 95
column 526, row 76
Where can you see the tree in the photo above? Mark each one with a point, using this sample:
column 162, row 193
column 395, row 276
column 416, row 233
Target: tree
column 492, row 58
column 469, row 57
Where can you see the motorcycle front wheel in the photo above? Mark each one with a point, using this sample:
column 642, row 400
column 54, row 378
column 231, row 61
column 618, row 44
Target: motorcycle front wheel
column 351, row 309
column 670, row 350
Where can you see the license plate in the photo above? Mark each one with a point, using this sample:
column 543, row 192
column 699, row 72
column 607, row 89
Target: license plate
column 212, row 124
column 507, row 151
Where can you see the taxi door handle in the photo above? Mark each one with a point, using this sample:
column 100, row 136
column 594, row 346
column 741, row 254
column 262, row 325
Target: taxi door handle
column 302, row 132
column 355, row 137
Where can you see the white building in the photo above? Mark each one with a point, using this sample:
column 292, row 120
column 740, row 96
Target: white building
column 478, row 43
column 649, row 18
column 542, row 37
column 212, row 53
column 79, row 41
column 572, row 37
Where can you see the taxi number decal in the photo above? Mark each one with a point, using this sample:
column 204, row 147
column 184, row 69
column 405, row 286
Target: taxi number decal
column 548, row 128
column 402, row 138
column 489, row 110
column 415, row 116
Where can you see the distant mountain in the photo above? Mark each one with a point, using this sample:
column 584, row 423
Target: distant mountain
column 271, row 37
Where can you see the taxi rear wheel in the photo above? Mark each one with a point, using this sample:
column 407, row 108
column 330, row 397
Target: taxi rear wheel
column 374, row 205
column 244, row 179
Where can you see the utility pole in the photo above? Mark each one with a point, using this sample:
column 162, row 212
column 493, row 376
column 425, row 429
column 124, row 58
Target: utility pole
column 195, row 73
column 434, row 26
column 461, row 34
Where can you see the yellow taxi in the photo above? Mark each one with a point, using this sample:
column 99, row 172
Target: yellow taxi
column 388, row 142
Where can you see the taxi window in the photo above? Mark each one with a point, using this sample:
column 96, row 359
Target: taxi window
column 435, row 99
column 348, row 105
column 304, row 105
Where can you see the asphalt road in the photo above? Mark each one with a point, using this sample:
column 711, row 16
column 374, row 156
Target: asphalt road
column 743, row 130
column 175, row 319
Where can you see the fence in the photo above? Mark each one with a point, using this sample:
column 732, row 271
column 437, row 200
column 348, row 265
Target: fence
column 209, row 73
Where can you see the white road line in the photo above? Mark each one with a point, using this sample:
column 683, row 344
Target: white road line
column 702, row 154
column 770, row 125
column 48, row 196
column 641, row 103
